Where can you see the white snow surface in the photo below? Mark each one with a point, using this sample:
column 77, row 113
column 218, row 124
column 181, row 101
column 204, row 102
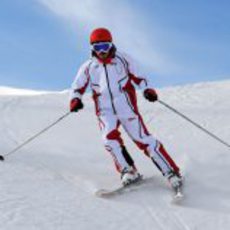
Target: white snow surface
column 4, row 91
column 49, row 184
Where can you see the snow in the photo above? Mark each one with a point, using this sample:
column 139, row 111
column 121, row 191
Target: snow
column 50, row 183
column 12, row 91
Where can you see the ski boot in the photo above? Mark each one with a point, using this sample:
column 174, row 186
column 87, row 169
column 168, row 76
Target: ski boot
column 129, row 176
column 175, row 180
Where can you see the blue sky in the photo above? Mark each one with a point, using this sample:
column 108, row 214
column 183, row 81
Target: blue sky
column 43, row 42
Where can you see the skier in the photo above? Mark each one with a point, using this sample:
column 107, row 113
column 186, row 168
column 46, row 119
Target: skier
column 112, row 78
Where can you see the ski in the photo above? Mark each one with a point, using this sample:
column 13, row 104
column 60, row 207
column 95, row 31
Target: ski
column 178, row 194
column 107, row 193
column 176, row 197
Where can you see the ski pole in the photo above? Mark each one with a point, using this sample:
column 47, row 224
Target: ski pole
column 2, row 157
column 194, row 123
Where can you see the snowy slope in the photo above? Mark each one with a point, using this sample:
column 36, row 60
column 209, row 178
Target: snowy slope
column 49, row 184
column 4, row 91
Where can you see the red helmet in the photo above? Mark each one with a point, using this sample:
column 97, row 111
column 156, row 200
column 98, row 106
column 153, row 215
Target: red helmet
column 100, row 35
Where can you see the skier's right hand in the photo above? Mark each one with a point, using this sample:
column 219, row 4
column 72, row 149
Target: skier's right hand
column 75, row 105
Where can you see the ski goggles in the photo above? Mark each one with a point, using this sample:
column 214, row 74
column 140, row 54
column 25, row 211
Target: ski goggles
column 102, row 46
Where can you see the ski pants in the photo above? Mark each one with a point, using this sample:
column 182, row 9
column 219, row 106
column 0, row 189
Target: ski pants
column 137, row 131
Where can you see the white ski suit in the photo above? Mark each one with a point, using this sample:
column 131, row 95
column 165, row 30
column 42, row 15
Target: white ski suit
column 115, row 100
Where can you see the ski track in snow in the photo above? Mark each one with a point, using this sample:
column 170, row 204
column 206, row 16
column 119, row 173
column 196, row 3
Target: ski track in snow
column 6, row 120
column 50, row 183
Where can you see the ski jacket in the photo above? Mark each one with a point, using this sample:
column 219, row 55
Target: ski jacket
column 112, row 85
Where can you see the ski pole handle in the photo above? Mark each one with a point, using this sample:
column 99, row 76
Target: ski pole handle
column 2, row 157
column 194, row 123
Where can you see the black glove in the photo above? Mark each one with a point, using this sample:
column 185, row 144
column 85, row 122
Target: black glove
column 150, row 95
column 75, row 105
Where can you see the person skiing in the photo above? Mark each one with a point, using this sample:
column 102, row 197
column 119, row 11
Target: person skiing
column 112, row 78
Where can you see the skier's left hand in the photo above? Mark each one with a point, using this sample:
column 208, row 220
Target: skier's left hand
column 75, row 105
column 150, row 95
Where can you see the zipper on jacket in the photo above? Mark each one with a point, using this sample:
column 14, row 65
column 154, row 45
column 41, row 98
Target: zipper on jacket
column 109, row 88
